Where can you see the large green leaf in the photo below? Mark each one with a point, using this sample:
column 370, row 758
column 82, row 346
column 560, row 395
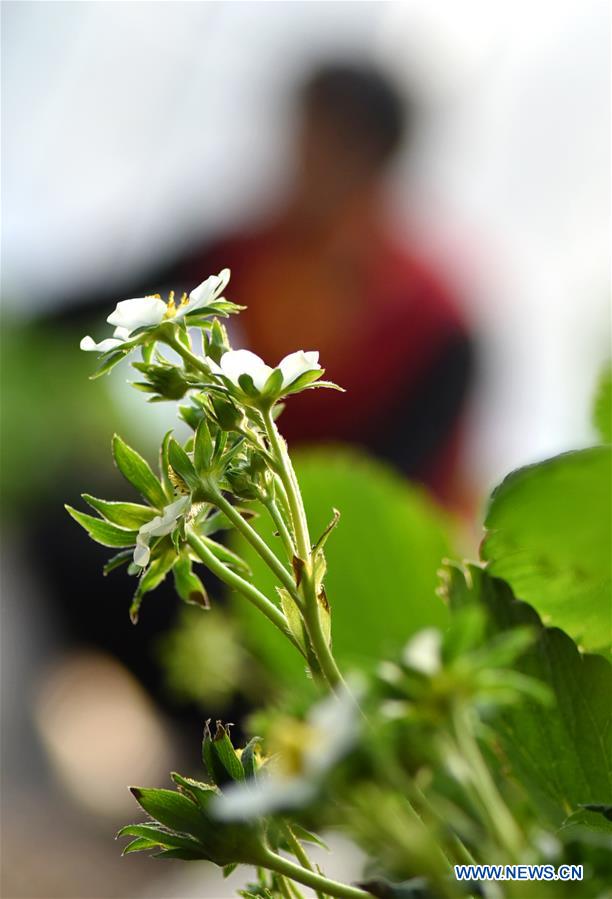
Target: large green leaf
column 548, row 533
column 382, row 559
column 561, row 752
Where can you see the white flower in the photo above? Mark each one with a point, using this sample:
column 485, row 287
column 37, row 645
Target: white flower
column 151, row 311
column 235, row 363
column 307, row 751
column 422, row 653
column 158, row 527
column 205, row 293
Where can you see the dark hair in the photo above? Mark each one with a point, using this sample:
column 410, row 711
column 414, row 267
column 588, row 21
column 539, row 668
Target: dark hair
column 363, row 104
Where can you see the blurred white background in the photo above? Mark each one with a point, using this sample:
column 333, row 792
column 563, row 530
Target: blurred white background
column 130, row 127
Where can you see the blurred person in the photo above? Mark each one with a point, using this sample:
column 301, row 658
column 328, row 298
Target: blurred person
column 328, row 271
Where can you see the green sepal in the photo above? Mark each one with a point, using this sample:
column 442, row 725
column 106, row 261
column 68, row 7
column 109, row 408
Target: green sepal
column 304, row 380
column 306, row 836
column 120, row 558
column 228, row 416
column 219, row 756
column 157, row 836
column 199, row 792
column 138, row 472
column 273, row 385
column 191, row 415
column 247, row 386
column 216, row 341
column 295, row 623
column 188, row 585
column 108, row 364
column 202, row 448
column 172, row 809
column 323, row 538
column 164, row 464
column 247, row 757
column 103, row 531
column 127, row 515
column 182, row 465
column 152, row 578
column 140, row 844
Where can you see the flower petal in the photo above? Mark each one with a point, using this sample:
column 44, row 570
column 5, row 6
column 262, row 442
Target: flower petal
column 206, row 292
column 138, row 313
column 110, row 343
column 295, row 364
column 243, row 362
column 141, row 554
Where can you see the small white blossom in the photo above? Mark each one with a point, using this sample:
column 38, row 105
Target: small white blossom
column 307, row 751
column 151, row 311
column 158, row 527
column 205, row 293
column 235, row 363
column 422, row 653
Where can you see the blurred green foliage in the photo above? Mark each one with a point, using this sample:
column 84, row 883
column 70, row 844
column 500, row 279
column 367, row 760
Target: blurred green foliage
column 549, row 533
column 602, row 406
column 382, row 560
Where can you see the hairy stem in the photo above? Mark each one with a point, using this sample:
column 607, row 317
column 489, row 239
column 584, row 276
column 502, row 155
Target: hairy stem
column 279, row 522
column 296, row 848
column 259, row 545
column 310, row 878
column 186, row 354
column 491, row 803
column 250, row 592
column 310, row 607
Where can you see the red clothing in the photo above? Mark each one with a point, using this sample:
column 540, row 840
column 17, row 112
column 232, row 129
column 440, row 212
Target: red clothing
column 379, row 316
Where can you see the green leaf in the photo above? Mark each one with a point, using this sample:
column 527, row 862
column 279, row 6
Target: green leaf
column 182, row 465
column 562, row 752
column 102, row 531
column 548, row 533
column 382, row 562
column 135, row 470
column 127, row 515
column 602, row 406
column 219, row 755
column 188, row 585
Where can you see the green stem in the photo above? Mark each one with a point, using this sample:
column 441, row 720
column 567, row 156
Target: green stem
column 281, row 527
column 259, row 545
column 187, row 355
column 296, row 848
column 492, row 805
column 289, row 481
column 310, row 878
column 250, row 592
column 310, row 607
